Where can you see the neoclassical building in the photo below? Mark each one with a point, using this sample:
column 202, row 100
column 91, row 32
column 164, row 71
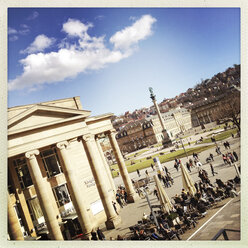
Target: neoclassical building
column 58, row 179
column 148, row 131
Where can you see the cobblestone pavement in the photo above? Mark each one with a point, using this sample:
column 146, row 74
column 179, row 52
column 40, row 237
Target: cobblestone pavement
column 132, row 213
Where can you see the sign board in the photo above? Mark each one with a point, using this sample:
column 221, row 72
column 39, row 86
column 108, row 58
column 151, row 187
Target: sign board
column 96, row 207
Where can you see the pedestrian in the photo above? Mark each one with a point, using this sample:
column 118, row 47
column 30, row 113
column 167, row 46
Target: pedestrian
column 191, row 163
column 218, row 150
column 176, row 166
column 196, row 186
column 93, row 235
column 155, row 192
column 118, row 199
column 147, row 173
column 224, row 158
column 100, row 234
column 235, row 156
column 231, row 157
column 212, row 170
column 138, row 172
column 188, row 166
column 165, row 169
column 233, row 135
column 228, row 144
column 152, row 166
column 211, row 156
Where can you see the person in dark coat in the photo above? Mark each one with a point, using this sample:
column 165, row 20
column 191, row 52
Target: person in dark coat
column 188, row 166
column 93, row 235
column 235, row 156
column 212, row 169
column 100, row 234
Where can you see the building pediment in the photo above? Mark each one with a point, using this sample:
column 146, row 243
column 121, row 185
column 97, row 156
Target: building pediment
column 39, row 115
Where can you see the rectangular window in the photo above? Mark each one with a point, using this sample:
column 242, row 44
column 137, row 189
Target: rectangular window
column 51, row 162
column 62, row 195
column 22, row 171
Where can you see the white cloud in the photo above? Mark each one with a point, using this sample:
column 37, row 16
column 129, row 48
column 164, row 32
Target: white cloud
column 76, row 28
column 131, row 35
column 33, row 16
column 40, row 43
column 85, row 54
column 24, row 26
column 13, row 38
column 11, row 31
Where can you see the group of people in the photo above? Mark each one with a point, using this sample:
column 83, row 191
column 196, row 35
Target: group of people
column 188, row 208
column 166, row 178
column 121, row 198
column 230, row 158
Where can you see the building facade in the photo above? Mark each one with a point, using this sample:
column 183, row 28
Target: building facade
column 59, row 182
column 204, row 112
column 147, row 132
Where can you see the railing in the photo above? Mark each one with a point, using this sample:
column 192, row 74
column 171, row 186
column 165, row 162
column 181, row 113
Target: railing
column 224, row 233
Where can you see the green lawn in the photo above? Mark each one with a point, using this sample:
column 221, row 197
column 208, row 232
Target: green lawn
column 137, row 153
column 221, row 136
column 144, row 163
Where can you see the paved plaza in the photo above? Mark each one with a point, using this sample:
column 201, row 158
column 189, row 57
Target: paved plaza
column 222, row 216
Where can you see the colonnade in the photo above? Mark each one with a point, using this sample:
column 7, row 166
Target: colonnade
column 97, row 162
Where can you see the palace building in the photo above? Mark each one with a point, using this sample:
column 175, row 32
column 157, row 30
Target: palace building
column 148, row 131
column 59, row 182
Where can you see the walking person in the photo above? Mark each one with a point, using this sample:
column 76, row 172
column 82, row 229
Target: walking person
column 212, row 169
column 138, row 172
column 155, row 192
column 188, row 166
column 224, row 158
column 235, row 156
column 100, row 234
column 211, row 156
column 152, row 166
column 176, row 166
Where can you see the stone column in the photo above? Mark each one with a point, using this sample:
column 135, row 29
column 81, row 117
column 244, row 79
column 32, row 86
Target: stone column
column 96, row 167
column 15, row 232
column 75, row 190
column 41, row 191
column 122, row 168
column 106, row 166
column 20, row 196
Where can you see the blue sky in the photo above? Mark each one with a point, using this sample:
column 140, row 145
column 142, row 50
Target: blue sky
column 109, row 57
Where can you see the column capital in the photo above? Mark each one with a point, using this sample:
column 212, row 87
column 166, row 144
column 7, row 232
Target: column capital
column 62, row 145
column 31, row 154
column 111, row 132
column 88, row 137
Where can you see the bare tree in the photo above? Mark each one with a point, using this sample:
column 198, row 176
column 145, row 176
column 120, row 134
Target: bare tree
column 229, row 110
